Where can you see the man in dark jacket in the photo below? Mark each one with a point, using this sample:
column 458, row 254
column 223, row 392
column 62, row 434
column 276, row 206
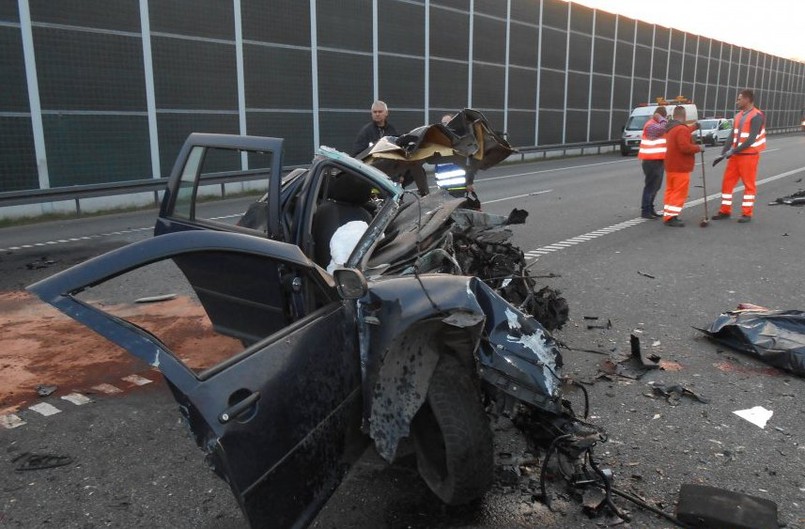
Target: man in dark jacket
column 375, row 129
column 680, row 157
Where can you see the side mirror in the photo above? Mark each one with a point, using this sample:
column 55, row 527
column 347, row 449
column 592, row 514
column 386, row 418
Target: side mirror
column 350, row 283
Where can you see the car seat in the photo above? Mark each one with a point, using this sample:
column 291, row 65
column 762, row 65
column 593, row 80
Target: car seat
column 346, row 196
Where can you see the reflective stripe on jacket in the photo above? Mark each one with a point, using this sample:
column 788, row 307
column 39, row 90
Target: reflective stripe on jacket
column 651, row 149
column 741, row 132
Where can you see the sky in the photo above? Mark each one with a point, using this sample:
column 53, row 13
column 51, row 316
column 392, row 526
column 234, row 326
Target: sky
column 771, row 26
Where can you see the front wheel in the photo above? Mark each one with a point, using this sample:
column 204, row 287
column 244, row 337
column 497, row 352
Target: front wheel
column 452, row 437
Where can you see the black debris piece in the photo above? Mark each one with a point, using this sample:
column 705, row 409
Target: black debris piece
column 776, row 337
column 43, row 390
column 674, row 393
column 517, row 216
column 590, row 317
column 651, row 361
column 607, row 326
column 646, row 275
column 795, row 199
column 634, row 366
column 703, row 507
column 29, row 461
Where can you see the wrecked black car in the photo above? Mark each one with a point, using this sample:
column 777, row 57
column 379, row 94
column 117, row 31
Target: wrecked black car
column 398, row 344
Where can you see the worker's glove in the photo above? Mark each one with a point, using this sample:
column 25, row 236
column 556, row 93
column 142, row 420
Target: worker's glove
column 729, row 153
column 715, row 162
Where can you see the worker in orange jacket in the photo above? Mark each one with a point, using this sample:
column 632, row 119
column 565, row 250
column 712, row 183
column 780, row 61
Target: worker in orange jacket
column 743, row 152
column 680, row 157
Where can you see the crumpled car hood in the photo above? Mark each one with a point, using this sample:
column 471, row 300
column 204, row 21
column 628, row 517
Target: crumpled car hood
column 467, row 140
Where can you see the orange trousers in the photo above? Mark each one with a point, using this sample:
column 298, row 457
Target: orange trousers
column 743, row 167
column 676, row 192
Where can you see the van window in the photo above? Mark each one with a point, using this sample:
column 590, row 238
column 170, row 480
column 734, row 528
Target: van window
column 637, row 122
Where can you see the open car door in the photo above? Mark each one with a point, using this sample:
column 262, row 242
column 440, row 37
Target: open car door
column 207, row 161
column 269, row 382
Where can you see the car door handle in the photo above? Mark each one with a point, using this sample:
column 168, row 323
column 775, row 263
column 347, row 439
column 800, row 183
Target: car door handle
column 240, row 407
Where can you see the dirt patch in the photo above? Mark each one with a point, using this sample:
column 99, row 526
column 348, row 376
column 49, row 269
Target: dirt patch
column 40, row 345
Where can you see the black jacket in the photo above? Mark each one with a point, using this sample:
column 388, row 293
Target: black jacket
column 370, row 133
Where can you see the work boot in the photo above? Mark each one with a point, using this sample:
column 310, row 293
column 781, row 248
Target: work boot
column 649, row 216
column 675, row 223
column 721, row 216
column 744, row 219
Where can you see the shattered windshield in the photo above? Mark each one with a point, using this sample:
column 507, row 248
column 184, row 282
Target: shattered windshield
column 379, row 178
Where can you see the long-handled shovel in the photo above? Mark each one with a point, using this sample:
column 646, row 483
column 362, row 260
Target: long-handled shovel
column 706, row 220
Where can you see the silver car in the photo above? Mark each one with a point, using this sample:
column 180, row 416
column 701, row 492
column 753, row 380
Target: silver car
column 713, row 131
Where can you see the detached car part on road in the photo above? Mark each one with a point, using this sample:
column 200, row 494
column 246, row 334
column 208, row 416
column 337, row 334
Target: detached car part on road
column 398, row 343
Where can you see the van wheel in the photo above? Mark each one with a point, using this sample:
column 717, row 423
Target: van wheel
column 624, row 151
column 452, row 437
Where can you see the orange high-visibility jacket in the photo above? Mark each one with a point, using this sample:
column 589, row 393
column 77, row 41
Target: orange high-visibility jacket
column 651, row 149
column 739, row 135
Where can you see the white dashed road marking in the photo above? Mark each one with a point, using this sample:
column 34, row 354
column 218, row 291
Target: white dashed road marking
column 73, row 239
column 137, row 379
column 109, row 389
column 561, row 245
column 45, row 409
column 10, row 421
column 77, row 398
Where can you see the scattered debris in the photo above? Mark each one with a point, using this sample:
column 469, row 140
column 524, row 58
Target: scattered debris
column 607, row 326
column 43, row 390
column 155, row 299
column 42, row 262
column 674, row 393
column 646, row 275
column 758, row 415
column 29, row 461
column 776, row 337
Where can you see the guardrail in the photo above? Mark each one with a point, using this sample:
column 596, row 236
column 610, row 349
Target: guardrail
column 564, row 148
column 155, row 185
column 78, row 192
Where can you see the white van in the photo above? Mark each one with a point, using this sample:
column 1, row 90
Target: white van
column 633, row 130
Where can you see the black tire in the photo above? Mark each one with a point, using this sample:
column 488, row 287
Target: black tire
column 625, row 151
column 452, row 437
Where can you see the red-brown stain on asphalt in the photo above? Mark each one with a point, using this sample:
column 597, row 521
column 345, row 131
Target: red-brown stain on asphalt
column 40, row 345
column 670, row 365
column 729, row 367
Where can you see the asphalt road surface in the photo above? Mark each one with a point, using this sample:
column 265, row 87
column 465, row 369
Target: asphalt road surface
column 132, row 463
